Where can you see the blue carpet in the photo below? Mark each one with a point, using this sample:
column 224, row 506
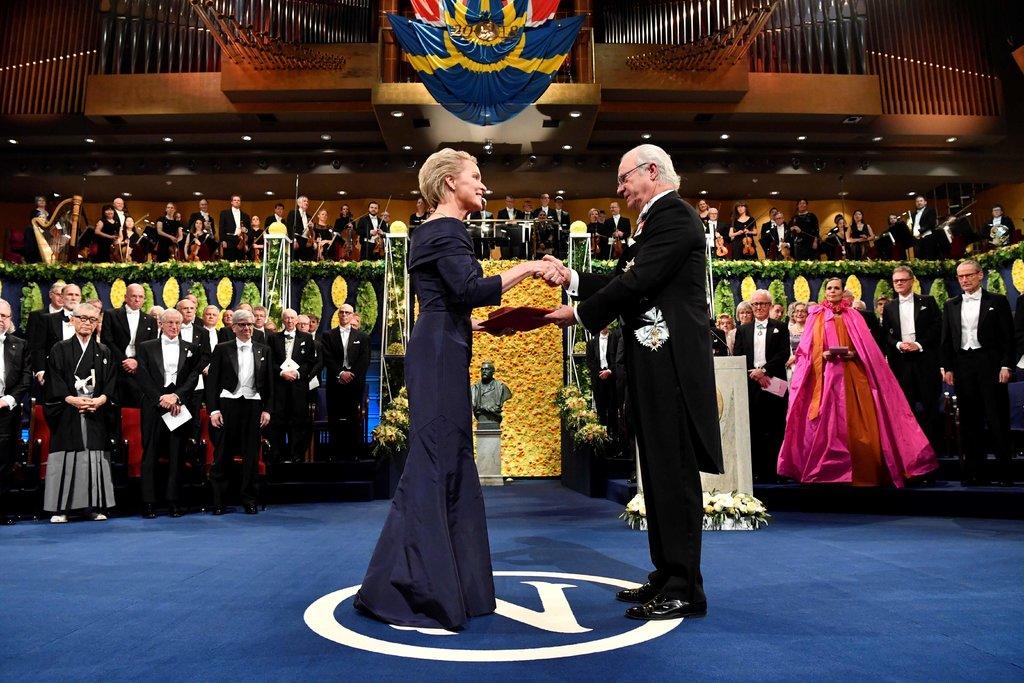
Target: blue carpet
column 812, row 596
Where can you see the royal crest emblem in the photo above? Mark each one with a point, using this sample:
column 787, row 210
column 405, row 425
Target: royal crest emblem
column 654, row 333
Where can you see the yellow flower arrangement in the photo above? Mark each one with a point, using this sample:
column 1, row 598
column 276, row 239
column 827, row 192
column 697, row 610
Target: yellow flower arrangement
column 531, row 365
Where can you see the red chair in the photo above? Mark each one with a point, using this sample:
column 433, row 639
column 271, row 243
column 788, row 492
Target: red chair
column 38, row 438
column 131, row 438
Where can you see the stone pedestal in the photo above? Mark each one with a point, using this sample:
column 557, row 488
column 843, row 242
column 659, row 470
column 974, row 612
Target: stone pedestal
column 488, row 455
column 733, row 420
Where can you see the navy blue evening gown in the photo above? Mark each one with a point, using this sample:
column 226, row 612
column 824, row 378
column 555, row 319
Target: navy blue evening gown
column 432, row 564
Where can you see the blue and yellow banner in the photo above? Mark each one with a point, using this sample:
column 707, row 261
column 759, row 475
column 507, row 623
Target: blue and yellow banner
column 484, row 60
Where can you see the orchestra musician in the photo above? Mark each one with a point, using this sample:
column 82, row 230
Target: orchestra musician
column 346, row 245
column 140, row 241
column 254, row 240
column 200, row 244
column 833, row 245
column 120, row 211
column 234, row 231
column 170, row 236
column 99, row 245
column 370, row 227
column 419, row 215
column 859, row 237
column 805, row 230
column 204, row 215
column 702, row 211
column 923, row 221
column 276, row 217
column 893, row 244
column 29, row 249
column 323, row 234
column 776, row 238
column 1000, row 231
column 300, row 230
column 618, row 229
column 742, row 233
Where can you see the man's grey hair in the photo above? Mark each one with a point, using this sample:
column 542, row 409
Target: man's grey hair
column 765, row 292
column 242, row 316
column 652, row 154
column 972, row 262
column 904, row 269
column 57, row 287
column 5, row 304
column 289, row 310
column 82, row 309
column 170, row 312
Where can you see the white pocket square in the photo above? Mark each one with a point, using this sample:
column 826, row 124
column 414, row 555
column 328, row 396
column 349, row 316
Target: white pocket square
column 991, row 308
column 923, row 307
column 357, row 342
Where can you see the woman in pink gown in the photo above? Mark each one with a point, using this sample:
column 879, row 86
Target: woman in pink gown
column 848, row 420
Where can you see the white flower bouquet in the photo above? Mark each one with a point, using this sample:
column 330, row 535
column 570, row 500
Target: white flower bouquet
column 722, row 512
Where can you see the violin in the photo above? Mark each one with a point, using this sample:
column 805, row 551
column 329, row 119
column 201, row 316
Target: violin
column 748, row 246
column 617, row 247
column 351, row 249
column 193, row 249
column 721, row 250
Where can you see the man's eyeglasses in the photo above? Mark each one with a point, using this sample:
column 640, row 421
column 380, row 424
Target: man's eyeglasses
column 242, row 325
column 901, row 280
column 967, row 275
column 87, row 318
column 759, row 303
column 625, row 176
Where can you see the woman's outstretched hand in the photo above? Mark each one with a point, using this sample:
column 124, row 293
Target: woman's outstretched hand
column 550, row 272
column 557, row 274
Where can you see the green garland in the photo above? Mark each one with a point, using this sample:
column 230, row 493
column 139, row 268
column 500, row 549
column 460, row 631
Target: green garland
column 250, row 294
column 939, row 292
column 89, row 292
column 311, row 301
column 725, row 301
column 821, row 291
column 366, row 306
column 148, row 302
column 31, row 300
column 996, row 284
column 778, row 291
column 199, row 292
column 159, row 272
column 883, row 288
column 788, row 270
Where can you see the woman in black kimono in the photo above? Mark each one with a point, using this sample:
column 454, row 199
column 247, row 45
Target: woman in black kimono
column 80, row 391
column 432, row 566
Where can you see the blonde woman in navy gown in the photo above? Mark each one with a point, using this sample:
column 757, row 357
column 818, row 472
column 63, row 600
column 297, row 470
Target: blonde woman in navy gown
column 432, row 564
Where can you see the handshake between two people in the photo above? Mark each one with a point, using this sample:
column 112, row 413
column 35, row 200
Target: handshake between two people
column 555, row 274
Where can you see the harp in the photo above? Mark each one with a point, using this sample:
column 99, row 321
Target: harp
column 56, row 234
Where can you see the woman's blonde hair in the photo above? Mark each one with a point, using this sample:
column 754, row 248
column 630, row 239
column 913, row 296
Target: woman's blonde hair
column 438, row 166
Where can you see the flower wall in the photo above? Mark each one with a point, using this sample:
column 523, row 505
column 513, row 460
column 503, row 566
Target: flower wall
column 531, row 365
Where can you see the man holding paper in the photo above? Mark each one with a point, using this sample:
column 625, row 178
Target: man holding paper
column 765, row 343
column 294, row 359
column 168, row 371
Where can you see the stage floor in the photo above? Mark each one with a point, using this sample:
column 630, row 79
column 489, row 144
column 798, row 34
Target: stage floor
column 228, row 598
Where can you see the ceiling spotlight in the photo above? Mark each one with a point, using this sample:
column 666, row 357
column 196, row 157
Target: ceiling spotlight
column 407, row 148
column 844, row 193
column 168, row 139
column 774, row 193
column 532, row 159
column 801, row 138
column 911, row 193
column 325, row 136
column 247, row 138
column 703, row 192
column 336, row 164
column 56, row 194
column 561, row 192
column 90, row 140
column 488, row 192
column 864, row 164
column 575, row 114
column 566, row 147
column 398, row 113
column 198, row 194
column 489, row 147
column 645, row 136
column 724, row 136
column 126, row 194
column 342, row 192
column 12, row 141
column 795, row 163
column 168, row 182
column 877, row 138
column 952, row 139
column 269, row 193
column 415, row 192
column 819, row 165
column 262, row 163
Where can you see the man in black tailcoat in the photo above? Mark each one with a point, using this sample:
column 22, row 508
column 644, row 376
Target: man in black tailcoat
column 977, row 353
column 913, row 331
column 167, row 375
column 346, row 355
column 657, row 290
column 15, row 376
column 293, row 358
column 124, row 329
column 765, row 344
column 602, row 350
column 239, row 396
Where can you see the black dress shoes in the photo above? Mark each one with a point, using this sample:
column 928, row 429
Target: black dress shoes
column 9, row 521
column 219, row 510
column 639, row 595
column 663, row 607
column 148, row 512
column 250, row 509
column 175, row 511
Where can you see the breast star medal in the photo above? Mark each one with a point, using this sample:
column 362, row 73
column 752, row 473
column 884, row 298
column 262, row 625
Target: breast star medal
column 628, row 265
column 654, row 333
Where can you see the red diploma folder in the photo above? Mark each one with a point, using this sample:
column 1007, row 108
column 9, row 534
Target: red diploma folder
column 520, row 318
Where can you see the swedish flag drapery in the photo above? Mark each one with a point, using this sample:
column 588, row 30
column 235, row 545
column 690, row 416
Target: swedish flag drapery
column 485, row 60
